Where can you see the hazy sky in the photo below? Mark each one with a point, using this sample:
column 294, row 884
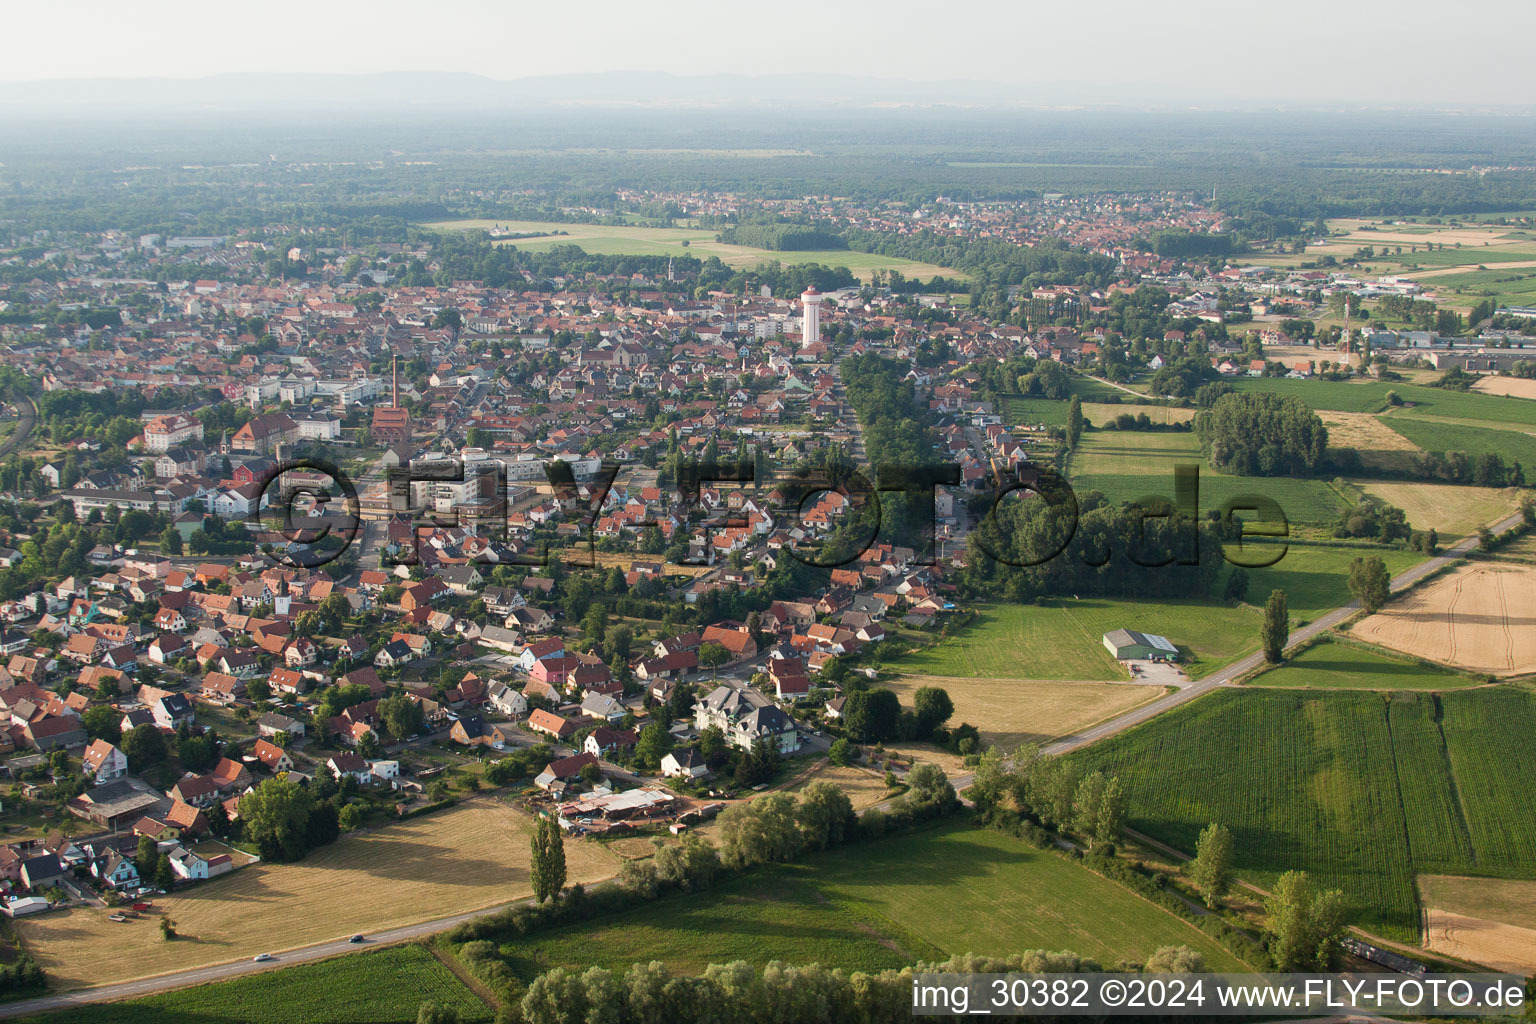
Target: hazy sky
column 1405, row 51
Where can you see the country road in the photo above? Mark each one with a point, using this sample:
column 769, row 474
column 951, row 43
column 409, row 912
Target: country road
column 225, row 971
column 1110, row 727
column 25, row 421
column 1226, row 674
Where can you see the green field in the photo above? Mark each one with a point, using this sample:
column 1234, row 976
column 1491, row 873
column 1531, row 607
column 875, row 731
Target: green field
column 1437, row 436
column 951, row 890
column 1509, row 286
column 1335, row 665
column 367, row 988
column 620, row 240
column 1063, row 639
column 1362, row 790
column 1466, row 256
column 1127, row 465
column 1315, row 577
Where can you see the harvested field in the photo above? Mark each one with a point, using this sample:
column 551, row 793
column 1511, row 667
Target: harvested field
column 1476, row 618
column 1515, row 387
column 1453, row 510
column 1504, row 947
column 472, row 856
column 1489, row 921
column 1100, row 413
column 1013, row 711
column 1378, row 444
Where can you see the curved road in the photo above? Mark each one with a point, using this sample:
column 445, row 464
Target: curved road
column 25, row 421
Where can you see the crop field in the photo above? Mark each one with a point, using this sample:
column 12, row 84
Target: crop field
column 1380, row 447
column 1315, row 577
column 1345, row 666
column 383, row 987
column 1063, row 639
column 1343, row 396
column 1509, row 387
column 1438, row 436
column 1477, row 618
column 471, row 856
column 620, row 240
column 1488, row 921
column 1127, row 465
column 1013, row 711
column 1453, row 510
column 879, row 905
column 1362, row 790
column 1100, row 413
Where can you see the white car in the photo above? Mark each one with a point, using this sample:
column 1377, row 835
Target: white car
column 261, row 958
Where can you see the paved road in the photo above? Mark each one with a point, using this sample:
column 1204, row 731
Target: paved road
column 26, row 420
column 222, row 972
column 1225, row 675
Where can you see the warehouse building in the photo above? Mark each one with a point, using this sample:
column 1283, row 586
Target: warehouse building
column 1129, row 645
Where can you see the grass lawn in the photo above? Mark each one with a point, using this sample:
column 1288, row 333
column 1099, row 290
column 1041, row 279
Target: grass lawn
column 1441, row 436
column 1363, row 790
column 612, row 240
column 950, row 890
column 381, row 987
column 1315, row 577
column 1063, row 639
column 1453, row 510
column 471, row 856
column 1127, row 465
column 1333, row 665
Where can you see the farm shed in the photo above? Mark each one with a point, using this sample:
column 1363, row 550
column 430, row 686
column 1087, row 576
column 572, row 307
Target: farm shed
column 1129, row 645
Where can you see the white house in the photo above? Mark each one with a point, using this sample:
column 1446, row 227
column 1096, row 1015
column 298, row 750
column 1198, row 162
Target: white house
column 104, row 762
column 508, row 701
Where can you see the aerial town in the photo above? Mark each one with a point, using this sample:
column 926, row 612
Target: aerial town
column 497, row 598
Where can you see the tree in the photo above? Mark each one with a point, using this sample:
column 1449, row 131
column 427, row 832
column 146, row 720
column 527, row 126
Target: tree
column 655, row 742
column 1304, row 925
column 401, row 715
column 1175, row 960
column 275, row 816
column 841, row 752
column 825, row 816
column 548, row 867
column 871, row 716
column 1236, row 591
column 933, row 707
column 1111, row 817
column 713, row 655
column 1211, row 870
column 165, row 875
column 1277, row 626
column 1074, row 421
column 101, row 722
column 170, row 541
column 1257, row 433
column 167, row 929
column 144, row 746
column 1369, row 582
column 760, row 831
column 434, row 1013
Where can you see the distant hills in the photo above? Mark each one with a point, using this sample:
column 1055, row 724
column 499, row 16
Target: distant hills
column 396, row 91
